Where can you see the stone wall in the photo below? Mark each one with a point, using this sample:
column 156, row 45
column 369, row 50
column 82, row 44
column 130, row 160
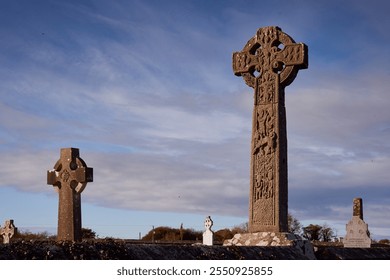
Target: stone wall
column 120, row 250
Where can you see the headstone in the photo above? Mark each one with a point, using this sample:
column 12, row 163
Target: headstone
column 268, row 63
column 8, row 231
column 208, row 235
column 358, row 235
column 70, row 175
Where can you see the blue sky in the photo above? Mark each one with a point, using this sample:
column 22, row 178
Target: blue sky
column 146, row 91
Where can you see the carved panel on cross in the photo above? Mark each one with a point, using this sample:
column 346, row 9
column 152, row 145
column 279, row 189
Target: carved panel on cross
column 264, row 148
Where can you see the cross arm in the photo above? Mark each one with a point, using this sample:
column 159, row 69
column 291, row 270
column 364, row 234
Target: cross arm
column 84, row 175
column 52, row 178
column 244, row 62
column 294, row 55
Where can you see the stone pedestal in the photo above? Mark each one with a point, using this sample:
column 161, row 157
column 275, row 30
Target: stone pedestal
column 272, row 239
column 357, row 234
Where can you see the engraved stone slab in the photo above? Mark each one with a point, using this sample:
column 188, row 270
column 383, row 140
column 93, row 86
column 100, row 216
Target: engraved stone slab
column 8, row 231
column 70, row 175
column 358, row 235
column 208, row 235
column 268, row 63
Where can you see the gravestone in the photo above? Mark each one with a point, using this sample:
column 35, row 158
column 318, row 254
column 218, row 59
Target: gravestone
column 268, row 63
column 8, row 231
column 70, row 175
column 358, row 235
column 208, row 235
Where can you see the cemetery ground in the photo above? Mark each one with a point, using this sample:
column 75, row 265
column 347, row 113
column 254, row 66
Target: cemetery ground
column 174, row 244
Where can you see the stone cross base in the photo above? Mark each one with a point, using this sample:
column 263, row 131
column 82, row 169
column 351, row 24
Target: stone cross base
column 272, row 239
column 208, row 238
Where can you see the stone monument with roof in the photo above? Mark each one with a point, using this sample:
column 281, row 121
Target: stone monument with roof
column 358, row 235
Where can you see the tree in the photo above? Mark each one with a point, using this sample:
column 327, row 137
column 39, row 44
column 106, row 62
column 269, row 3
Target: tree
column 319, row 233
column 28, row 235
column 294, row 226
column 172, row 234
column 241, row 228
column 312, row 232
column 88, row 233
column 326, row 233
column 223, row 234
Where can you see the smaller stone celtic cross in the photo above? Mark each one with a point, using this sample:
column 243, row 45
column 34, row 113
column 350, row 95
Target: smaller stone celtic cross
column 208, row 235
column 70, row 175
column 8, row 231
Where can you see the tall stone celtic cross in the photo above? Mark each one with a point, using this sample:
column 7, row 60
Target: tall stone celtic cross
column 70, row 175
column 268, row 63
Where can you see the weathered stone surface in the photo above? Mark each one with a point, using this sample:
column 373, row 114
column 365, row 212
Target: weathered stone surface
column 8, row 231
column 358, row 235
column 268, row 63
column 341, row 253
column 120, row 250
column 358, row 208
column 208, row 235
column 272, row 239
column 117, row 250
column 70, row 175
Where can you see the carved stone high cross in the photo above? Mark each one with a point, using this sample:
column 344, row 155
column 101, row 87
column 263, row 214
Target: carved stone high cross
column 268, row 63
column 70, row 175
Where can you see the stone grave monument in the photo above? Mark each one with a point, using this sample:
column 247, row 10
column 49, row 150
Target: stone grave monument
column 358, row 235
column 208, row 235
column 269, row 62
column 8, row 231
column 70, row 175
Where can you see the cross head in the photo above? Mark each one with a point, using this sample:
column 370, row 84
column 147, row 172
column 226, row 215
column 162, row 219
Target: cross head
column 268, row 60
column 208, row 223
